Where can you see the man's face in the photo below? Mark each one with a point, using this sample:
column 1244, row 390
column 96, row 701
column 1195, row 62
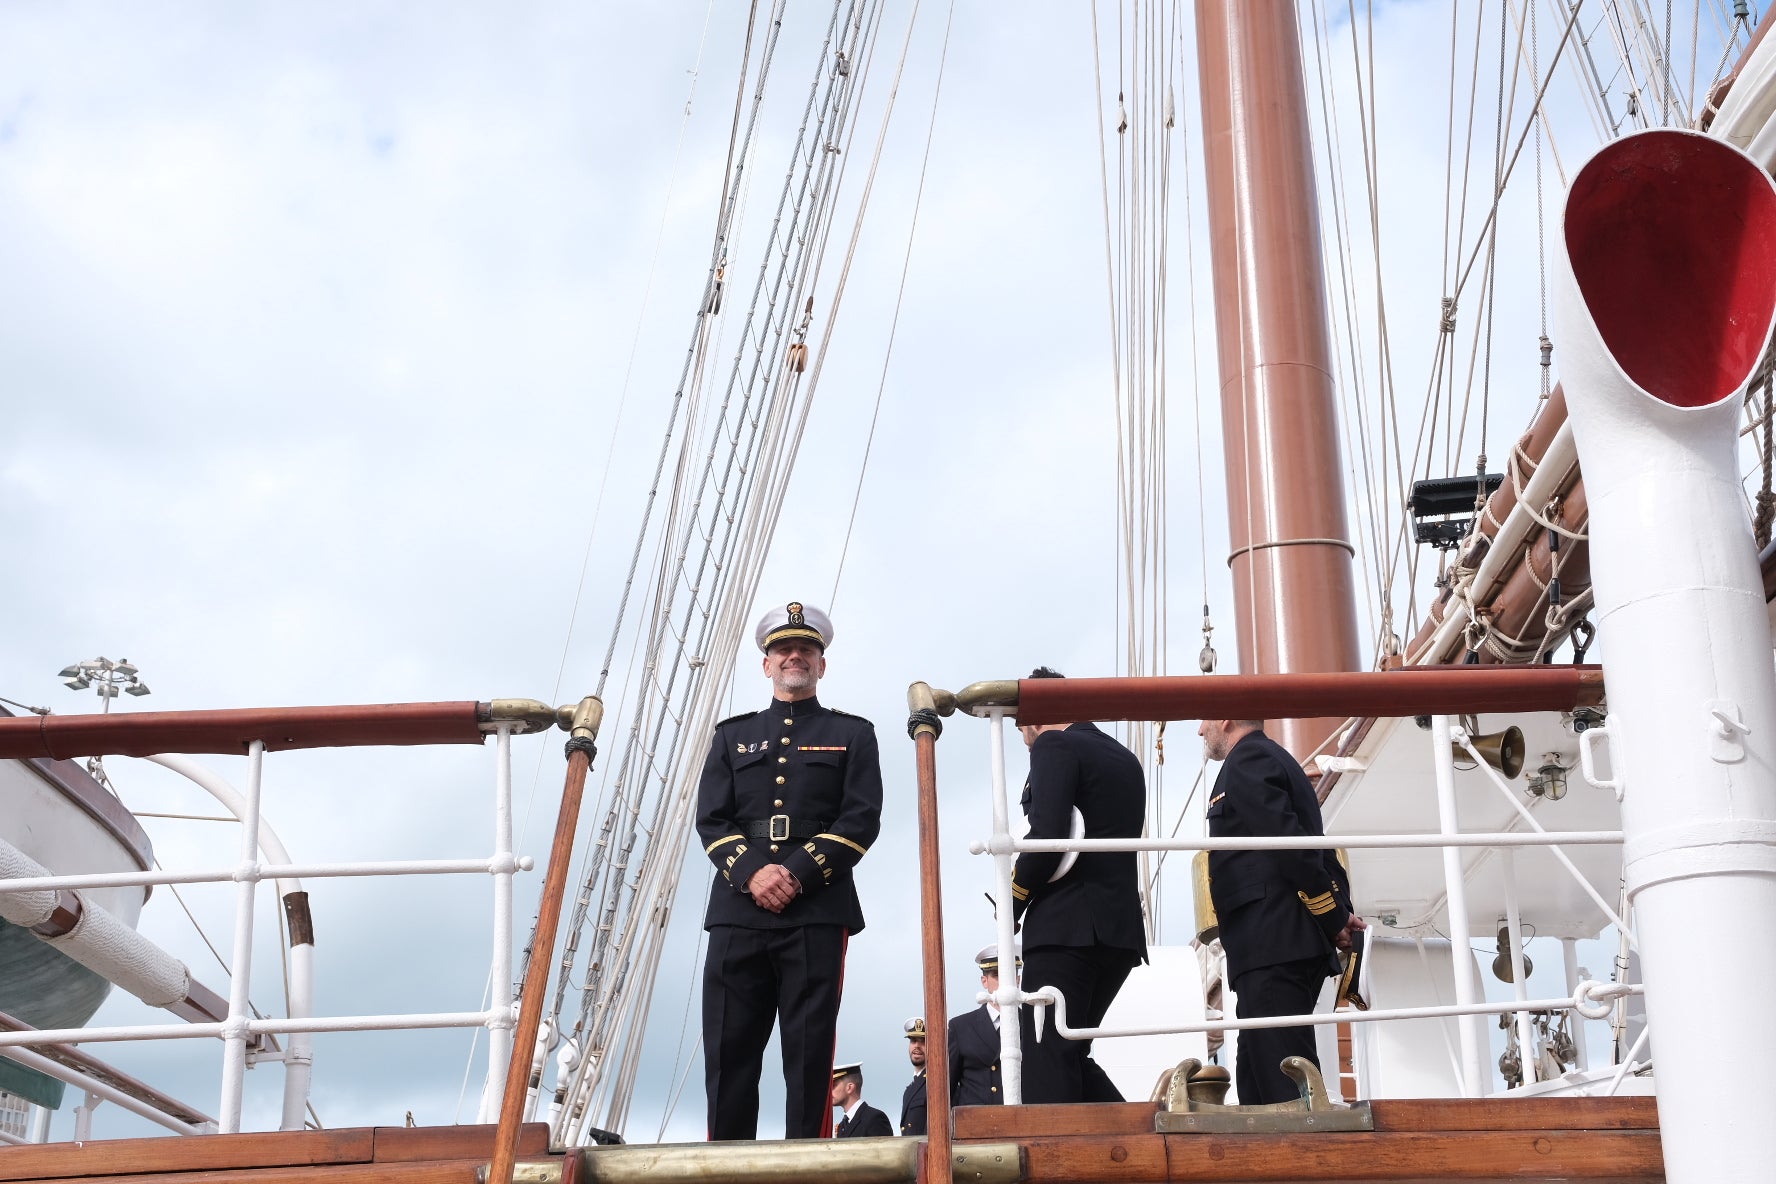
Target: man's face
column 1029, row 732
column 842, row 1090
column 794, row 666
column 916, row 1051
column 1214, row 736
column 990, row 981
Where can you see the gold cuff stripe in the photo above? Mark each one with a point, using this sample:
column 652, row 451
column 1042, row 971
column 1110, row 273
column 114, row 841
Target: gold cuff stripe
column 710, row 850
column 842, row 839
column 1020, row 892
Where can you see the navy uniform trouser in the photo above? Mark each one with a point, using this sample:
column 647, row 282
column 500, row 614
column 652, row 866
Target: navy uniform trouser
column 1088, row 977
column 752, row 977
column 1287, row 988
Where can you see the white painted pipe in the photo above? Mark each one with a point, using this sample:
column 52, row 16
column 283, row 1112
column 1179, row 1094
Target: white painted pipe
column 110, row 1093
column 234, row 1030
column 499, row 1030
column 1526, row 1049
column 1011, row 1048
column 1455, row 888
column 299, row 1055
column 1665, row 293
column 1747, row 110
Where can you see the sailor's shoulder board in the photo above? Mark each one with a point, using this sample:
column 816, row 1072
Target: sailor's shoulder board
column 850, row 715
column 734, row 719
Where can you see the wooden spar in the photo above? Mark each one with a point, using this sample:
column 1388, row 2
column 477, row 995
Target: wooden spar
column 146, row 733
column 1447, row 690
column 937, row 1035
column 587, row 716
column 1293, row 582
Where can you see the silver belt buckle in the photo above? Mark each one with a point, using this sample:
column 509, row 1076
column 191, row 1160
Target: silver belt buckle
column 777, row 837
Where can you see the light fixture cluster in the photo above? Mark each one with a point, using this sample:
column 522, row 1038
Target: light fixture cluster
column 106, row 677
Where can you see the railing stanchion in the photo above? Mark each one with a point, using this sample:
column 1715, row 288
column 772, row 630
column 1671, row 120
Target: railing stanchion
column 1461, row 945
column 234, row 1045
column 499, row 1023
column 580, row 750
column 1519, row 965
column 936, row 1166
column 1011, row 1049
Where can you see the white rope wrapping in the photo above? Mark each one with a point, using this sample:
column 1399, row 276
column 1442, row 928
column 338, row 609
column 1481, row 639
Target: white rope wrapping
column 25, row 909
column 99, row 941
column 109, row 948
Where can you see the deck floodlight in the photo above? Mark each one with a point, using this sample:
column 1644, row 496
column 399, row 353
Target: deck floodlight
column 137, row 689
column 69, row 672
column 77, row 683
column 128, row 671
column 1443, row 508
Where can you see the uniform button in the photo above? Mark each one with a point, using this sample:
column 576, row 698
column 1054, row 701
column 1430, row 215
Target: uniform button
column 788, row 723
column 995, row 1089
column 773, row 846
column 778, row 803
column 785, row 740
column 780, row 779
column 783, row 760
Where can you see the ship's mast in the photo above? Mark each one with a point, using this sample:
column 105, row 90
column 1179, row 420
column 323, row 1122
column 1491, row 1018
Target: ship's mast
column 1291, row 558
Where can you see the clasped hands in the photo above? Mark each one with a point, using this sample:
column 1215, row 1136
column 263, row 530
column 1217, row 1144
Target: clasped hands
column 773, row 887
column 1348, row 933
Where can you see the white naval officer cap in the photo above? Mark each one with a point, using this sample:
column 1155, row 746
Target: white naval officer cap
column 988, row 958
column 794, row 619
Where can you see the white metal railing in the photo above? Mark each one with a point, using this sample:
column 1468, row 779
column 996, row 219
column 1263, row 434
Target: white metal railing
column 1590, row 999
column 240, row 1026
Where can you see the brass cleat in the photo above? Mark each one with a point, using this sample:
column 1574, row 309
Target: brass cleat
column 1192, row 1104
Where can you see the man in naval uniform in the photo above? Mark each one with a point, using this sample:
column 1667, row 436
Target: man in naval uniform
column 912, row 1100
column 974, row 1043
column 790, row 800
column 1083, row 928
column 1283, row 914
column 862, row 1120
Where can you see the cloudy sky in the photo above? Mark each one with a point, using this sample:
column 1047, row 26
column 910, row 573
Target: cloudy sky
column 335, row 338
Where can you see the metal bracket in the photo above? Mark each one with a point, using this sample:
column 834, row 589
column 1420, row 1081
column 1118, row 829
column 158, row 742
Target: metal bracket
column 1313, row 1111
column 1726, row 732
column 987, row 1163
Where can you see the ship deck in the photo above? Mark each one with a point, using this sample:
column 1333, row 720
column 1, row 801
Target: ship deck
column 1532, row 1139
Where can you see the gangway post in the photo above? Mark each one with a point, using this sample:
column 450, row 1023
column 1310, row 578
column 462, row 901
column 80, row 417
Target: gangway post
column 923, row 723
column 580, row 751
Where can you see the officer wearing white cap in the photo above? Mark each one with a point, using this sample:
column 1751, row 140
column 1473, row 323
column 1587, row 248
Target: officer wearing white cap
column 862, row 1120
column 790, row 800
column 912, row 1100
column 974, row 1042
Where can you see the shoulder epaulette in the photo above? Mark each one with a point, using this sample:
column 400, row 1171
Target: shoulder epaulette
column 850, row 715
column 734, row 719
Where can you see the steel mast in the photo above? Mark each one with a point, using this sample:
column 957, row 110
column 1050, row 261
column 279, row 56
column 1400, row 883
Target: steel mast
column 1291, row 556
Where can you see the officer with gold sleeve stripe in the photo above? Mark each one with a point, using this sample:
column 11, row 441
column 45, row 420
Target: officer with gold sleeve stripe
column 790, row 800
column 1283, row 914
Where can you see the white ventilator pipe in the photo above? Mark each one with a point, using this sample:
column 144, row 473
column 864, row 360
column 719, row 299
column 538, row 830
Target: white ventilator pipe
column 1665, row 292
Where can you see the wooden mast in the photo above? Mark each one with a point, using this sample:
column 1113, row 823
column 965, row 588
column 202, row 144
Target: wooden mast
column 1291, row 557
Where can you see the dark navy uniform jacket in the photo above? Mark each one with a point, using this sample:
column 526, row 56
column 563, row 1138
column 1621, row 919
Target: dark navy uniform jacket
column 974, row 1059
column 912, row 1107
column 867, row 1123
column 797, row 784
column 1273, row 906
column 1098, row 901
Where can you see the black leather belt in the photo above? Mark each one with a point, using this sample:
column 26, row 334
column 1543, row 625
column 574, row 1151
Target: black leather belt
column 781, row 827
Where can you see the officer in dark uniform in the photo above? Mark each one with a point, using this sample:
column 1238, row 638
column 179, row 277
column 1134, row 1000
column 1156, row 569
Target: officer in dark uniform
column 1083, row 928
column 861, row 1120
column 1283, row 914
column 912, row 1100
column 790, row 800
column 974, row 1043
